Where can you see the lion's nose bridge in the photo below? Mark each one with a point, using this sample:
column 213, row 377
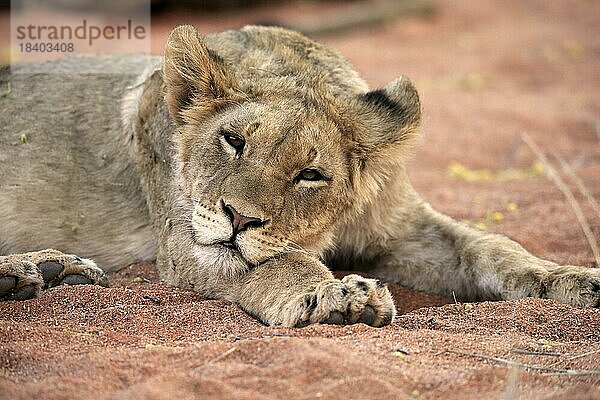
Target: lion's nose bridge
column 247, row 194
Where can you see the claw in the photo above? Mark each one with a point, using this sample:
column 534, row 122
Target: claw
column 367, row 316
column 103, row 281
column 302, row 324
column 335, row 318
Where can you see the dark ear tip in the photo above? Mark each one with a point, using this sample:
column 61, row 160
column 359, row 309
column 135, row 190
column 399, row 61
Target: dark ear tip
column 402, row 87
column 400, row 97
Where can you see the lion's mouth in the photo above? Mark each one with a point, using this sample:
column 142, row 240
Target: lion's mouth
column 230, row 245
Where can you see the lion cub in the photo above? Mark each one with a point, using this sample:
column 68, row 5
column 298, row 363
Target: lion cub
column 245, row 163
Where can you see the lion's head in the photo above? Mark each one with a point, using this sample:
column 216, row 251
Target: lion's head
column 279, row 141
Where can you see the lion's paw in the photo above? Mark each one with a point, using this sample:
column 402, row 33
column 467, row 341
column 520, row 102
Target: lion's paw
column 24, row 276
column 353, row 299
column 577, row 286
column 19, row 280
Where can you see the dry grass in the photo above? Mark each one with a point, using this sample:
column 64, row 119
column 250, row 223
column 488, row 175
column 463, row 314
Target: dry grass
column 555, row 177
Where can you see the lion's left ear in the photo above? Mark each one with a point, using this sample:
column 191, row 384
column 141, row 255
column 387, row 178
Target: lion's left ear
column 197, row 80
column 389, row 122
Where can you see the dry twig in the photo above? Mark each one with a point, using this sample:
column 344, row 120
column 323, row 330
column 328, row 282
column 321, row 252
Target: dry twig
column 568, row 170
column 562, row 186
column 557, row 371
column 222, row 355
column 535, row 353
column 512, row 384
column 588, row 353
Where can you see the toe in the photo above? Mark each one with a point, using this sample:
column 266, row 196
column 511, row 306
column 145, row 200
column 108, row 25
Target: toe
column 75, row 279
column 302, row 324
column 22, row 293
column 386, row 318
column 103, row 281
column 7, row 284
column 335, row 318
column 50, row 270
column 368, row 316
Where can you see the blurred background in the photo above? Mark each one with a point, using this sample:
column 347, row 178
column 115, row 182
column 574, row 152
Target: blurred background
column 489, row 72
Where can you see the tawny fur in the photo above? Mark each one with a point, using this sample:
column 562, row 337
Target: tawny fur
column 155, row 178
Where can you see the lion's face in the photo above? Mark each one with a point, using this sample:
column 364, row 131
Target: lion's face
column 283, row 170
column 268, row 171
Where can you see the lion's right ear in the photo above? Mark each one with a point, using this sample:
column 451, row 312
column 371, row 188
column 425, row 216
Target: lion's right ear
column 197, row 80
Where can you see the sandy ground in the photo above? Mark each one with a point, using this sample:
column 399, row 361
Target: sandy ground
column 488, row 71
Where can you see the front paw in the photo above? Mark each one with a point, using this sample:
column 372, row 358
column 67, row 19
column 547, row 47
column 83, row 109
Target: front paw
column 19, row 279
column 351, row 300
column 577, row 286
column 24, row 276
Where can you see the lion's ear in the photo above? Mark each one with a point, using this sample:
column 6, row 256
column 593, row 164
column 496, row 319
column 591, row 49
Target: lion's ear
column 390, row 119
column 197, row 80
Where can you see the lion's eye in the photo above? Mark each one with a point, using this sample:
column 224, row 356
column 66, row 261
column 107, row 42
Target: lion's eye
column 309, row 174
column 235, row 141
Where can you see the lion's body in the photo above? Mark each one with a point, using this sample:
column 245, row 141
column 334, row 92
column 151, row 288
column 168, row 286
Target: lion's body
column 68, row 171
column 108, row 167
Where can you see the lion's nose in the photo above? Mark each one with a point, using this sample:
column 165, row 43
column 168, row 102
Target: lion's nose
column 240, row 222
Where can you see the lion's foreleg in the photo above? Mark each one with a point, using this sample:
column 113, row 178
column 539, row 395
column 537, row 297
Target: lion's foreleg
column 443, row 256
column 296, row 290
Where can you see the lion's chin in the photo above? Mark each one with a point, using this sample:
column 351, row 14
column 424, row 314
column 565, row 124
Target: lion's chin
column 222, row 260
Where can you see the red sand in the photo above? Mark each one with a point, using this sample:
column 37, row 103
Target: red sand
column 487, row 71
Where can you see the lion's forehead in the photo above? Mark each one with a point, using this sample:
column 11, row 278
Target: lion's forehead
column 288, row 132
